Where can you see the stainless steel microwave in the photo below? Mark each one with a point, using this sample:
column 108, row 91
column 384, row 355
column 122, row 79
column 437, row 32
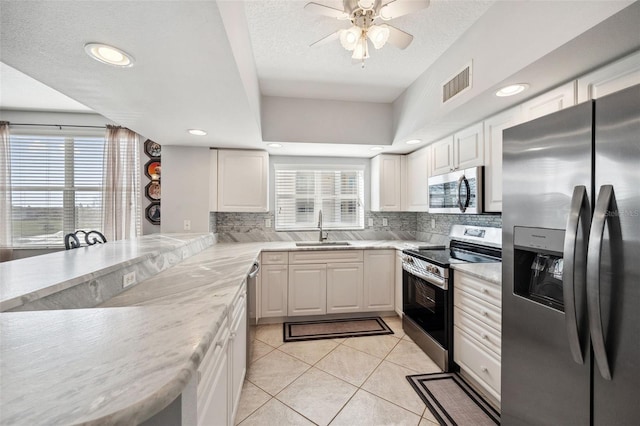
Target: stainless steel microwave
column 459, row 191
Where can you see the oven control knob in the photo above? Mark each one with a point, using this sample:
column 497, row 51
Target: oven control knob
column 408, row 259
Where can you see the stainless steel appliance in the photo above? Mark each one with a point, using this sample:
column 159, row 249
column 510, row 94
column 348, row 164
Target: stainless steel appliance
column 457, row 192
column 252, row 317
column 571, row 266
column 427, row 282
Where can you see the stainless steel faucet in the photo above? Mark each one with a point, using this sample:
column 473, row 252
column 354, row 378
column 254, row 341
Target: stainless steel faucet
column 323, row 235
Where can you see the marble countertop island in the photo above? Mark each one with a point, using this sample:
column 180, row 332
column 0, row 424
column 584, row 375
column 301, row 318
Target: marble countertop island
column 128, row 357
column 491, row 272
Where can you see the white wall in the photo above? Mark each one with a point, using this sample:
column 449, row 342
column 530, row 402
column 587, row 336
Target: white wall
column 325, row 121
column 185, row 188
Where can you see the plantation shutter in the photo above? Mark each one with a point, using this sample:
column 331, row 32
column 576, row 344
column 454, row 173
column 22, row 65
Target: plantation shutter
column 300, row 194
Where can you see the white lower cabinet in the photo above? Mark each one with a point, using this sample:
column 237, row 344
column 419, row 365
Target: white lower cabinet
column 307, row 289
column 237, row 354
column 477, row 331
column 379, row 280
column 212, row 400
column 344, row 287
column 273, row 290
column 398, row 283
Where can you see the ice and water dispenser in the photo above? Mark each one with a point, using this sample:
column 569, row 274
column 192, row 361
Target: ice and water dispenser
column 538, row 265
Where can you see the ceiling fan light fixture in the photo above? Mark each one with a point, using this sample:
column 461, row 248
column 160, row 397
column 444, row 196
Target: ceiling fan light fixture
column 361, row 51
column 349, row 38
column 366, row 4
column 378, row 34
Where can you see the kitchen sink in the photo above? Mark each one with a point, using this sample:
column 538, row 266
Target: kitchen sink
column 322, row 244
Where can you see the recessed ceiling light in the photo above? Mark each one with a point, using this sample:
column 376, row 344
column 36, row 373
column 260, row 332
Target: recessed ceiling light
column 376, row 148
column 511, row 90
column 275, row 145
column 197, row 132
column 108, row 55
column 413, row 142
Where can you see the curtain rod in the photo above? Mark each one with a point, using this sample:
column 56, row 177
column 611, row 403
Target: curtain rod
column 60, row 126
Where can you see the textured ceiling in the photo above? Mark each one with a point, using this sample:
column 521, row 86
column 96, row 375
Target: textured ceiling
column 281, row 32
column 198, row 64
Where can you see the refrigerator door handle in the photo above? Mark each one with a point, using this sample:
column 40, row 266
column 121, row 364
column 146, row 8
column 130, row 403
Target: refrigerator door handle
column 580, row 210
column 601, row 212
column 461, row 205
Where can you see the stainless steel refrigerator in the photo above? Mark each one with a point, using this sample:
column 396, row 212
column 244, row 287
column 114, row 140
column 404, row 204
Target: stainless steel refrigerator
column 571, row 266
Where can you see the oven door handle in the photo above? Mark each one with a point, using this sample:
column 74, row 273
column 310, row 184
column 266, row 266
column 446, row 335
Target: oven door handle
column 461, row 205
column 442, row 286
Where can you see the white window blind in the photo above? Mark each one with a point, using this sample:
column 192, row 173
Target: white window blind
column 56, row 184
column 301, row 194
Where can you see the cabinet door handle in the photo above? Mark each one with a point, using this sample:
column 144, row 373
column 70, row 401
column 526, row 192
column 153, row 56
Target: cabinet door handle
column 484, row 313
column 484, row 369
column 484, row 290
column 485, row 336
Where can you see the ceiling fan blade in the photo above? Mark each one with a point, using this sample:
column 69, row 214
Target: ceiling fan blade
column 326, row 11
column 398, row 8
column 331, row 37
column 398, row 38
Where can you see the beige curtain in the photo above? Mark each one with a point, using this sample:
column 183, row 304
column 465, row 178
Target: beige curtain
column 5, row 193
column 121, row 184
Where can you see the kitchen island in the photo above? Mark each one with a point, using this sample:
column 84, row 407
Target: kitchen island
column 129, row 357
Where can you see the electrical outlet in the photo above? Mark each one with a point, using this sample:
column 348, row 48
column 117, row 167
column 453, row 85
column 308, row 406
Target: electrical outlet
column 267, row 223
column 185, row 253
column 433, row 224
column 370, row 221
column 187, row 225
column 128, row 279
column 385, row 221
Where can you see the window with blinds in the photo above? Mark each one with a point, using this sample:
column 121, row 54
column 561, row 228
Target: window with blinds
column 56, row 187
column 301, row 194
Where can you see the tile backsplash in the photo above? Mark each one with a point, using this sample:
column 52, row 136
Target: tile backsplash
column 246, row 227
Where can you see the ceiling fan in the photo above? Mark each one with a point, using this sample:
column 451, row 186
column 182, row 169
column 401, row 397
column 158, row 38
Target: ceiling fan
column 364, row 15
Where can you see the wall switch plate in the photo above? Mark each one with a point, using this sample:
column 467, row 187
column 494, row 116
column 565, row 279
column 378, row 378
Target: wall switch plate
column 433, row 224
column 187, row 225
column 385, row 221
column 128, row 279
column 370, row 221
column 267, row 223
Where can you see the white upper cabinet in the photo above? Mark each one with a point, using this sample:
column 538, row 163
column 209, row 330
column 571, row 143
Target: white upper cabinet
column 468, row 147
column 442, row 156
column 213, row 180
column 609, row 79
column 415, row 174
column 243, row 181
column 555, row 100
column 462, row 150
column 493, row 128
column 386, row 183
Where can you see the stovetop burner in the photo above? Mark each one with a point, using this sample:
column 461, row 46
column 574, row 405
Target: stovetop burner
column 458, row 252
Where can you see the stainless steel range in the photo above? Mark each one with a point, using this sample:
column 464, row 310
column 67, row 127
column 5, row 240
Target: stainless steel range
column 427, row 282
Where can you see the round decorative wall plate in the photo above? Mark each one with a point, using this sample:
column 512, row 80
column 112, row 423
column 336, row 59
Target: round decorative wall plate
column 152, row 213
column 152, row 149
column 153, row 190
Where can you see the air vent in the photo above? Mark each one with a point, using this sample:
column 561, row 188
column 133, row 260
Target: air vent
column 457, row 84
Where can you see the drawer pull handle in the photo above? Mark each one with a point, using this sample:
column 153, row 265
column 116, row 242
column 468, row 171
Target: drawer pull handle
column 484, row 313
column 484, row 369
column 485, row 336
column 484, row 290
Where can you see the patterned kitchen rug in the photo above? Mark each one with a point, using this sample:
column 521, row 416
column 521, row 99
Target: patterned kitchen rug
column 334, row 329
column 452, row 401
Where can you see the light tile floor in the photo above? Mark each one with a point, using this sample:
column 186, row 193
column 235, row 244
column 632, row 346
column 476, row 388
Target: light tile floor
column 355, row 381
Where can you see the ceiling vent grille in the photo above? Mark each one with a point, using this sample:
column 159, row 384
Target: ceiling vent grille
column 457, row 84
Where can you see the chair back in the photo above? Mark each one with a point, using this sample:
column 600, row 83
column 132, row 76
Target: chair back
column 72, row 241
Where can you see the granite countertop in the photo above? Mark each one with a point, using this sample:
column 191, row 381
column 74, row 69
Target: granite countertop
column 491, row 272
column 128, row 358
